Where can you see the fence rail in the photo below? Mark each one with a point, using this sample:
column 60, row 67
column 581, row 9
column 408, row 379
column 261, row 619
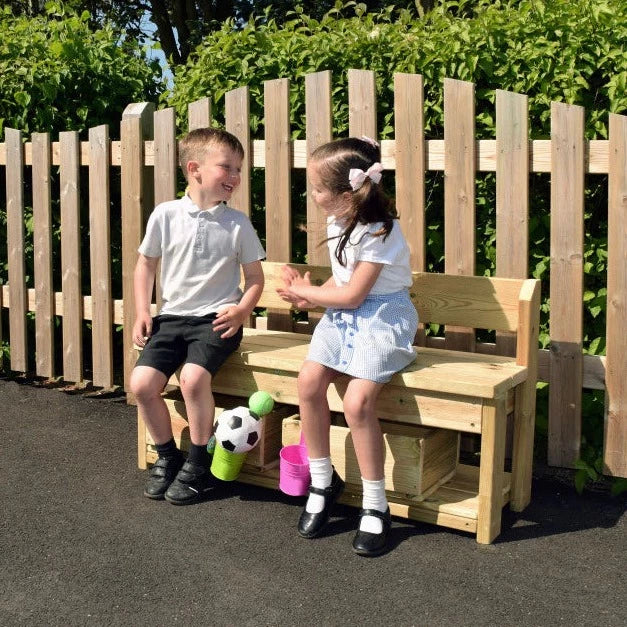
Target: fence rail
column 146, row 158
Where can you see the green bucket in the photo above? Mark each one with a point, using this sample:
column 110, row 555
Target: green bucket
column 226, row 465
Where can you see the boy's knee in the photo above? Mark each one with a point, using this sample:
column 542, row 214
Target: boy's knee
column 143, row 386
column 195, row 383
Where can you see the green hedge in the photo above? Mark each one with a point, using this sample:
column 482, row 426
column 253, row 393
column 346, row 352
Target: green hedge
column 56, row 74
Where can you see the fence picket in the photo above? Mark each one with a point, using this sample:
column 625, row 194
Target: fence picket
column 278, row 183
column 615, row 441
column 42, row 225
column 566, row 292
column 459, row 193
column 69, row 176
column 165, row 155
column 100, row 256
column 512, row 196
column 15, row 250
column 237, row 114
column 362, row 104
column 199, row 114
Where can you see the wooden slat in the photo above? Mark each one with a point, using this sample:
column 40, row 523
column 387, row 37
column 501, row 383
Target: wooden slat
column 71, row 257
column 132, row 228
column 15, row 250
column 199, row 114
column 566, row 317
column 615, row 440
column 42, row 225
column 165, row 155
column 512, row 195
column 459, row 192
column 237, row 116
column 410, row 164
column 362, row 104
column 319, row 131
column 595, row 150
column 100, row 256
column 278, row 179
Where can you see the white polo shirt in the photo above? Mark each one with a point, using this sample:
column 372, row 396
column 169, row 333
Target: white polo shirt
column 393, row 253
column 201, row 254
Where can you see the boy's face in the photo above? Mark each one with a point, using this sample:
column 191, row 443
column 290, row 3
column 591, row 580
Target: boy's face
column 217, row 175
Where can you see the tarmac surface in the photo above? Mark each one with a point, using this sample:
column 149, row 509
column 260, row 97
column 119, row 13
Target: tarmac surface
column 80, row 545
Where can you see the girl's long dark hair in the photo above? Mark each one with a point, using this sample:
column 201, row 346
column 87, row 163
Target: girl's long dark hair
column 369, row 203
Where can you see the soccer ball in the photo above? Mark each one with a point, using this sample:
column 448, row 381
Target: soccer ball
column 238, row 430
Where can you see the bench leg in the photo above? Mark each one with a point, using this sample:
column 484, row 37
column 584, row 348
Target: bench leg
column 493, row 428
column 522, row 453
column 141, row 442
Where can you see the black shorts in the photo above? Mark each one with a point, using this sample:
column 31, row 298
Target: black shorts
column 177, row 340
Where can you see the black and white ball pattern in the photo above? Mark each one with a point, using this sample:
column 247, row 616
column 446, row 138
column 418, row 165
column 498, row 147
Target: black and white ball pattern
column 238, row 430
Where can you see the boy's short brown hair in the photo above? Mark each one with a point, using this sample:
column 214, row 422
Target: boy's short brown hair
column 196, row 143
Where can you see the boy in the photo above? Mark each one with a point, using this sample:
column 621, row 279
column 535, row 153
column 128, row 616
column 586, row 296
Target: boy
column 202, row 243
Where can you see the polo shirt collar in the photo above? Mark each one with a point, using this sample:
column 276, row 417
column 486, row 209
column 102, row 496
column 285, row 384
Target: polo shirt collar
column 193, row 209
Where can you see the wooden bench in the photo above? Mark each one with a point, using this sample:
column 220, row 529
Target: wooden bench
column 450, row 389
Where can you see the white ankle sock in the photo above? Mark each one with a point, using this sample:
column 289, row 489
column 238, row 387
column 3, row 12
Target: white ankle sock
column 374, row 498
column 321, row 473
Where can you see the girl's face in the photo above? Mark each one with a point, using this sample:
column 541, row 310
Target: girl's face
column 331, row 203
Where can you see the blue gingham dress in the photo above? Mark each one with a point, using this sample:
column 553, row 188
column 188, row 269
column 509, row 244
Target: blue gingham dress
column 374, row 340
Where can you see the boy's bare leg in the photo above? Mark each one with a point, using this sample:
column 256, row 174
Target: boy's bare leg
column 199, row 402
column 146, row 384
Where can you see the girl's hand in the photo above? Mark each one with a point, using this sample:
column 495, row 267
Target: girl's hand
column 229, row 320
column 142, row 329
column 298, row 302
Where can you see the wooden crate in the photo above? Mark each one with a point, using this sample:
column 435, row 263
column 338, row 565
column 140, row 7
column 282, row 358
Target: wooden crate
column 418, row 460
column 264, row 455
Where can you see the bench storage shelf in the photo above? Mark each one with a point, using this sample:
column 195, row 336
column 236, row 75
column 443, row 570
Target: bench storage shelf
column 457, row 389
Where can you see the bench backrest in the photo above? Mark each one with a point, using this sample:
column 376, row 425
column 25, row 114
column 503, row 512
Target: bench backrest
column 467, row 301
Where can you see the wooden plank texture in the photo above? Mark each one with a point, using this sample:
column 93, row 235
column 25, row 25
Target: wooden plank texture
column 410, row 164
column 100, row 257
column 132, row 228
column 42, row 231
column 459, row 192
column 615, row 440
column 199, row 114
column 165, row 166
column 69, row 174
column 237, row 115
column 278, row 182
column 566, row 292
column 512, row 195
column 15, row 250
column 362, row 104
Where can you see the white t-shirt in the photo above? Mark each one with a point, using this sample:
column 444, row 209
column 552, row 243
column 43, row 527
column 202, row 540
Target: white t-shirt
column 393, row 253
column 201, row 254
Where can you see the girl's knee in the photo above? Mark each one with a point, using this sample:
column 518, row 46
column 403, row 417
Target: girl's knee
column 310, row 386
column 358, row 409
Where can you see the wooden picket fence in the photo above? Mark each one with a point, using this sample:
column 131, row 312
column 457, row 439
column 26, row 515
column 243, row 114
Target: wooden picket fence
column 147, row 155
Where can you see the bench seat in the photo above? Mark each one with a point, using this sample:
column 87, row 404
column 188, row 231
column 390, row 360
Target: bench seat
column 449, row 389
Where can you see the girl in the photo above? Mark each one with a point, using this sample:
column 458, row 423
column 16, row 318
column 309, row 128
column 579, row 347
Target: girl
column 366, row 332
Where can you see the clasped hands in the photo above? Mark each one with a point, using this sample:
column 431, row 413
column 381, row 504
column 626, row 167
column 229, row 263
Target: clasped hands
column 293, row 282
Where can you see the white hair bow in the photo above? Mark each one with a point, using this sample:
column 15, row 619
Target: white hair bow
column 357, row 176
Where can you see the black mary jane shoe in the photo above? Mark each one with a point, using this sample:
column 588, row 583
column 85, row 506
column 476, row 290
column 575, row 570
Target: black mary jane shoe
column 373, row 544
column 310, row 525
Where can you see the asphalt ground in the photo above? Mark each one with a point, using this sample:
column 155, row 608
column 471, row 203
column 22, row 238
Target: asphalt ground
column 80, row 545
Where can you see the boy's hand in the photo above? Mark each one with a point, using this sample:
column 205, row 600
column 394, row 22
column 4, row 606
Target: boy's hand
column 142, row 329
column 231, row 319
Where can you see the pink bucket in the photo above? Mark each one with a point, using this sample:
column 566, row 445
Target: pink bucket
column 294, row 478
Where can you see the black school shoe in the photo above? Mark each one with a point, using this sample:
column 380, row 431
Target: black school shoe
column 191, row 485
column 310, row 525
column 373, row 544
column 161, row 475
